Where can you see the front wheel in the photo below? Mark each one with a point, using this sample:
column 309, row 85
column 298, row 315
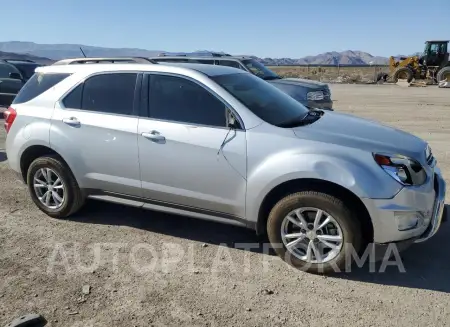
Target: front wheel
column 443, row 75
column 314, row 232
column 403, row 73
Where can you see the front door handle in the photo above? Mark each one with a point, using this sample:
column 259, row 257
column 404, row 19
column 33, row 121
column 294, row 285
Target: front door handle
column 72, row 121
column 154, row 136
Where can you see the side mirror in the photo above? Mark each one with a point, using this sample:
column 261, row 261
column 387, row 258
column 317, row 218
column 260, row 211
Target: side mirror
column 15, row 76
column 232, row 120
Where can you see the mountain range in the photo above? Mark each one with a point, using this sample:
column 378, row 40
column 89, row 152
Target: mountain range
column 46, row 53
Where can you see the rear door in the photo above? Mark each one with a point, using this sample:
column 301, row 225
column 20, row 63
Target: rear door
column 94, row 128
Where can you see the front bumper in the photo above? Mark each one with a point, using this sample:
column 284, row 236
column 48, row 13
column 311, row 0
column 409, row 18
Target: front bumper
column 426, row 201
column 438, row 210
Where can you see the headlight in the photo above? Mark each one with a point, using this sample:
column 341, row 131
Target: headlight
column 404, row 170
column 315, row 96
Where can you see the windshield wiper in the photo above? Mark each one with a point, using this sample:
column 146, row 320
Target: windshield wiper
column 269, row 78
column 309, row 118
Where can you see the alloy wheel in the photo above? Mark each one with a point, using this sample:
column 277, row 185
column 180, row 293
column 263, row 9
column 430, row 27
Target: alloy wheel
column 49, row 188
column 312, row 235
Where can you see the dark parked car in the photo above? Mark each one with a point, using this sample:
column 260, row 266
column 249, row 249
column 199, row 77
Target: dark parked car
column 312, row 94
column 13, row 75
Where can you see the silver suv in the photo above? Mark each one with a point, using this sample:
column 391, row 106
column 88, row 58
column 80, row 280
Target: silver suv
column 218, row 143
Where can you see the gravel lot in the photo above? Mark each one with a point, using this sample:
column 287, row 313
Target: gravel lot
column 205, row 279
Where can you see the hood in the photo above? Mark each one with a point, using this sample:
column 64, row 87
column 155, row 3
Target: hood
column 351, row 131
column 301, row 82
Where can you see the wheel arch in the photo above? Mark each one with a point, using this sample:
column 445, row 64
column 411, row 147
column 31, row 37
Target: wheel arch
column 318, row 185
column 33, row 152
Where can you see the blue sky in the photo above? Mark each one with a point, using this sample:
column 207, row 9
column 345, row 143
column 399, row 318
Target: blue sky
column 285, row 28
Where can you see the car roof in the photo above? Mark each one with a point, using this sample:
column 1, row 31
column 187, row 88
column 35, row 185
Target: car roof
column 18, row 61
column 181, row 68
column 13, row 62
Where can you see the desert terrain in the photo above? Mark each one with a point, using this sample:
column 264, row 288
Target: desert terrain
column 111, row 265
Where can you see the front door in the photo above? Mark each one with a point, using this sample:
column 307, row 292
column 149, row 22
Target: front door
column 95, row 128
column 188, row 156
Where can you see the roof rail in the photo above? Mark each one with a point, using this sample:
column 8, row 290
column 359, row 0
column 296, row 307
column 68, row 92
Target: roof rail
column 198, row 54
column 113, row 60
column 16, row 59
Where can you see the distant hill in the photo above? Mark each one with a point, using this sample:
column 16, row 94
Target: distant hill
column 62, row 51
column 331, row 58
column 18, row 56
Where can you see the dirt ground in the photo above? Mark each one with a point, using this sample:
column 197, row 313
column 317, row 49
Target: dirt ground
column 142, row 268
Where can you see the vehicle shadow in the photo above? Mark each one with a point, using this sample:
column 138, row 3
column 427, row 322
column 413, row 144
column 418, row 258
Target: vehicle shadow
column 426, row 265
column 3, row 156
column 422, row 266
column 204, row 231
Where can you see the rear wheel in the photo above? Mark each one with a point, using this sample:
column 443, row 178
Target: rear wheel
column 443, row 75
column 312, row 231
column 53, row 187
column 403, row 73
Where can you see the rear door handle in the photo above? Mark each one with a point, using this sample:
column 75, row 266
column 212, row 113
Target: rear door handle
column 154, row 136
column 72, row 121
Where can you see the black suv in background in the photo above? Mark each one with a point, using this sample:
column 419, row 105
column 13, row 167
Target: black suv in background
column 13, row 75
column 310, row 93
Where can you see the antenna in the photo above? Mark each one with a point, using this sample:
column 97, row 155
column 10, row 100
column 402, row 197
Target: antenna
column 82, row 52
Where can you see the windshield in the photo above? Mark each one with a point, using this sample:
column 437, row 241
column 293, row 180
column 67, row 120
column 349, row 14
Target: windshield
column 263, row 99
column 259, row 69
column 27, row 70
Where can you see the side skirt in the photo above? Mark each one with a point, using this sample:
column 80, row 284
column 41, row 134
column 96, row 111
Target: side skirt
column 168, row 207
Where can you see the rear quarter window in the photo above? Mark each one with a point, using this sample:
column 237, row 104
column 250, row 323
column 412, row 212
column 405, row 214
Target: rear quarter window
column 38, row 84
column 6, row 69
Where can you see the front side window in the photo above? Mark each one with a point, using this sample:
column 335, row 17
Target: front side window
column 434, row 48
column 263, row 99
column 259, row 69
column 107, row 93
column 178, row 99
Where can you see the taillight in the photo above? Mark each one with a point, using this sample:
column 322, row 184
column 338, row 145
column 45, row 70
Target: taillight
column 9, row 116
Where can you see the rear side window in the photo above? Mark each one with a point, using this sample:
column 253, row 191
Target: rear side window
column 202, row 61
column 27, row 70
column 6, row 69
column 229, row 63
column 38, row 84
column 108, row 93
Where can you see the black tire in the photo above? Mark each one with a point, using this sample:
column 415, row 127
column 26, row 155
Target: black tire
column 347, row 221
column 403, row 73
column 73, row 197
column 443, row 74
